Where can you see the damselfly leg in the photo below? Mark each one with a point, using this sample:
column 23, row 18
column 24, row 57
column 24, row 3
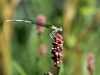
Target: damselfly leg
column 52, row 34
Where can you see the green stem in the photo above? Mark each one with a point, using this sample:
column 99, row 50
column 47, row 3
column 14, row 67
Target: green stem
column 58, row 70
column 91, row 73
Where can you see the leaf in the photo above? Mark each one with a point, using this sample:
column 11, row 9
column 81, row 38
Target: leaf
column 18, row 68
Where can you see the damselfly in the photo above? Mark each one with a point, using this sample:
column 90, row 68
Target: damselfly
column 54, row 28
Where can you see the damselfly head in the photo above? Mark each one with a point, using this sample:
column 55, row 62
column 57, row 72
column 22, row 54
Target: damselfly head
column 56, row 28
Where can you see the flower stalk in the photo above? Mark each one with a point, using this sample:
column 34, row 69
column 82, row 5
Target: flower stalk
column 91, row 63
column 41, row 20
column 57, row 50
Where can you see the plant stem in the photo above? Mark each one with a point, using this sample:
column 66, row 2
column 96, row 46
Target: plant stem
column 58, row 70
column 91, row 73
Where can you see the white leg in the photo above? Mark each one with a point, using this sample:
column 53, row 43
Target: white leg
column 51, row 36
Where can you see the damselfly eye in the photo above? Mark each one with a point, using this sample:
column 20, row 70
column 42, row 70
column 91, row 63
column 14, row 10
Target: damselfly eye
column 60, row 29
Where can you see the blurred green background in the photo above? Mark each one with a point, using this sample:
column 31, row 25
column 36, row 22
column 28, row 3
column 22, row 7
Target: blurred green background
column 20, row 44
